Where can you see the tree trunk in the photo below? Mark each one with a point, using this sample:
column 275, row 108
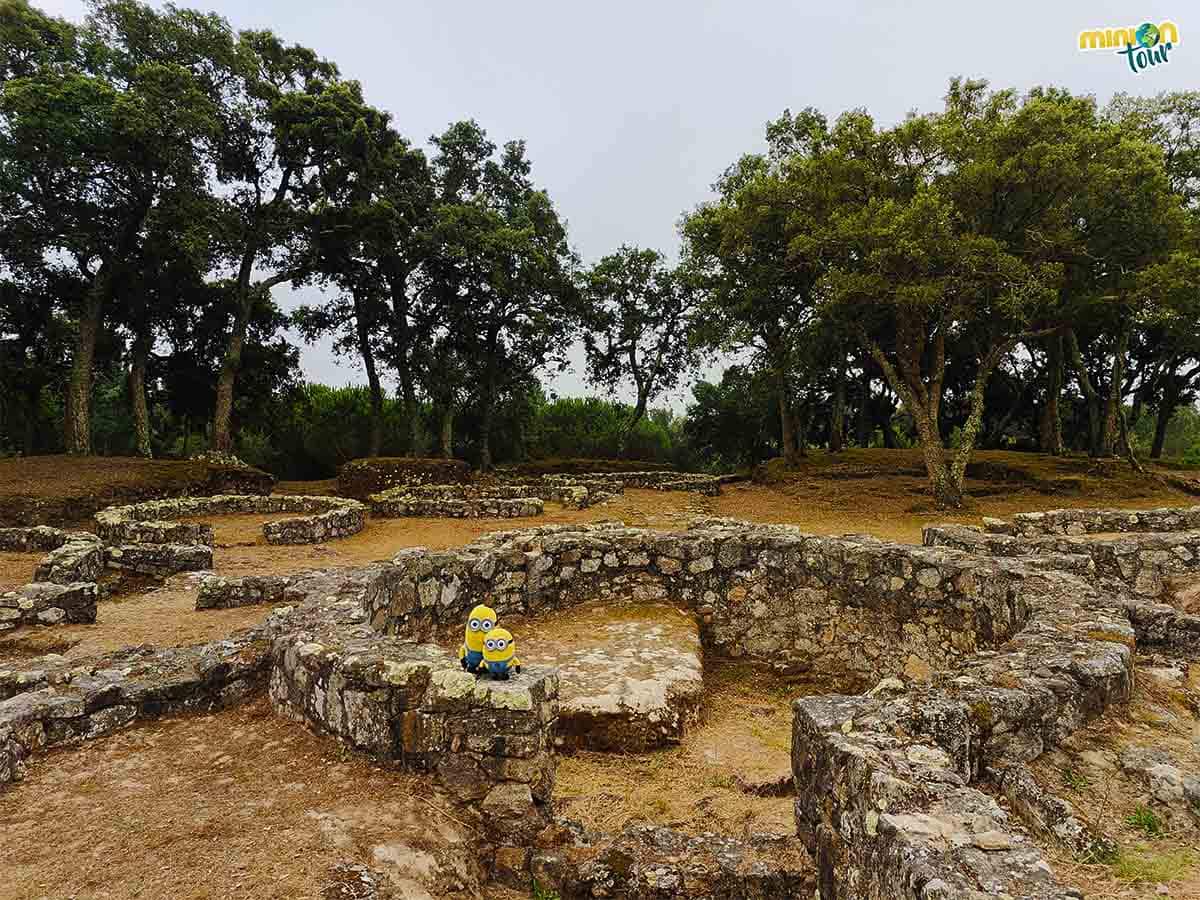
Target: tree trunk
column 639, row 412
column 362, row 327
column 887, row 431
column 837, row 415
column 222, row 439
column 33, row 395
column 78, row 437
column 923, row 399
column 787, row 424
column 447, row 432
column 1051, row 436
column 222, row 436
column 1166, row 409
column 947, row 491
column 862, row 423
column 1090, row 394
column 485, row 437
column 1115, row 398
column 412, row 411
column 488, row 404
column 137, row 393
column 401, row 332
column 804, row 425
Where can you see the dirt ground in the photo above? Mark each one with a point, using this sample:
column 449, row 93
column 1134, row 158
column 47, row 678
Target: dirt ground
column 64, row 489
column 241, row 804
column 164, row 616
column 747, row 734
column 242, row 550
column 886, row 493
column 17, row 569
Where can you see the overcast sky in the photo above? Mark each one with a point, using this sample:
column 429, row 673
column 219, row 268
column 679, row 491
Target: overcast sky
column 632, row 109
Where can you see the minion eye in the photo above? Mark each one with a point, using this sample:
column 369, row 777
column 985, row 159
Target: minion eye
column 501, row 644
column 487, row 624
column 474, row 623
column 491, row 645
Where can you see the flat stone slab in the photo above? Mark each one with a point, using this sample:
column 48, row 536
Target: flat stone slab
column 630, row 674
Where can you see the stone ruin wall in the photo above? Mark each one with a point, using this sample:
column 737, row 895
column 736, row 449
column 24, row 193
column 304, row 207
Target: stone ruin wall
column 455, row 501
column 1143, row 563
column 1096, row 521
column 1018, row 652
column 846, row 610
column 64, row 588
column 709, row 485
column 322, row 519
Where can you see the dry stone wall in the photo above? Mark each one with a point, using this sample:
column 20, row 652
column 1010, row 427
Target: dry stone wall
column 572, row 491
column 1096, row 521
column 74, row 556
column 46, row 603
column 324, row 518
column 846, row 609
column 487, row 741
column 63, row 589
column 89, row 701
column 884, row 783
column 455, row 502
column 1145, row 563
column 360, row 478
column 709, row 485
column 158, row 560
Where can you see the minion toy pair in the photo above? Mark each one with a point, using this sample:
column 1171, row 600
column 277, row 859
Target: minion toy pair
column 486, row 648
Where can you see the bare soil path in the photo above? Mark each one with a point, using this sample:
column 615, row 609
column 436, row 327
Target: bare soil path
column 241, row 804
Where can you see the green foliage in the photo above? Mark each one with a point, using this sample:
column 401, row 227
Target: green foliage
column 733, row 423
column 1146, row 820
column 591, row 428
column 322, row 427
column 160, row 173
column 541, row 893
column 1075, row 780
column 638, row 320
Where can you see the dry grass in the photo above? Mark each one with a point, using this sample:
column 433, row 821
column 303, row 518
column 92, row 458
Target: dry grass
column 747, row 732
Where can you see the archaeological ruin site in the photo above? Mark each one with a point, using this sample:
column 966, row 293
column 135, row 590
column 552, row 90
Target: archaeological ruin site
column 565, row 451
column 923, row 685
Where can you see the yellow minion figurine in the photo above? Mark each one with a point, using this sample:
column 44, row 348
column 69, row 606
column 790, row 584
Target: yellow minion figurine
column 481, row 621
column 500, row 654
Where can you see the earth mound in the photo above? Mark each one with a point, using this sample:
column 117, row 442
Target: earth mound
column 360, row 478
column 61, row 489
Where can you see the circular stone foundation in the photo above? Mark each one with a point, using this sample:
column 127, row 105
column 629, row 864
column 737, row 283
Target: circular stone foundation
column 321, row 519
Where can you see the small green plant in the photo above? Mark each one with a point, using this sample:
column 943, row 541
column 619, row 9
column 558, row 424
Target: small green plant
column 541, row 893
column 1145, row 820
column 1075, row 780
